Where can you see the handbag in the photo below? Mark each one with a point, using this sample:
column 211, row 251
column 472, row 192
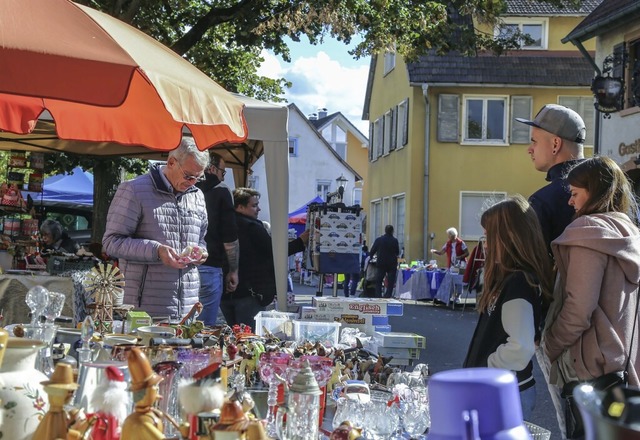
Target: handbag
column 573, row 420
column 574, row 426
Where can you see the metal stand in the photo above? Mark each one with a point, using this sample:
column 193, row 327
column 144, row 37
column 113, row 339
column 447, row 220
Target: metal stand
column 320, row 284
column 335, row 285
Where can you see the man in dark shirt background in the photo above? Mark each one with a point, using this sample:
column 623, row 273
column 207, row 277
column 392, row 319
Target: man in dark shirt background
column 387, row 249
column 222, row 241
column 557, row 139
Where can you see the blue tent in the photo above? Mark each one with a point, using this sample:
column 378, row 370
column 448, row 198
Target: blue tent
column 298, row 218
column 76, row 188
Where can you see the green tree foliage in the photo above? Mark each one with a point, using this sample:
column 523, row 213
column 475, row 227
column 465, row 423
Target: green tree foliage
column 224, row 39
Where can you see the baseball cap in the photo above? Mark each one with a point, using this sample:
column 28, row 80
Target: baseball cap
column 559, row 120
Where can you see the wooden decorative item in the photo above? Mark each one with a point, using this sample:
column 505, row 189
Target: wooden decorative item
column 105, row 285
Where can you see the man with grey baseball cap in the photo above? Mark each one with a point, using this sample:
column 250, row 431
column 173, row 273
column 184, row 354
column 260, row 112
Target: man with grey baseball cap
column 557, row 138
column 557, row 135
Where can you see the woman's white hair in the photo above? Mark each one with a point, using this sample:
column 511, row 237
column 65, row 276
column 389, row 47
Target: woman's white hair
column 453, row 232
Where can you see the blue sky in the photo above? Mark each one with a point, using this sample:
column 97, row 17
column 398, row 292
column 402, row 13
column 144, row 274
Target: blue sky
column 323, row 76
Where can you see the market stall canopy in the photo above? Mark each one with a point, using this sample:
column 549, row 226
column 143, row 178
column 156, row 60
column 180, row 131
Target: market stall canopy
column 74, row 188
column 299, row 216
column 104, row 81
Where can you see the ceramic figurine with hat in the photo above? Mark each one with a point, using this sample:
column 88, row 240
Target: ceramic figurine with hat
column 111, row 400
column 145, row 423
column 55, row 423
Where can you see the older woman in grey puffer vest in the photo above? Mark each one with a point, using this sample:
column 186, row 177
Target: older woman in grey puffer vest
column 145, row 213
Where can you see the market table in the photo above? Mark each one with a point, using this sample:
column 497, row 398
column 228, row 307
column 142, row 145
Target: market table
column 418, row 283
column 14, row 288
column 450, row 288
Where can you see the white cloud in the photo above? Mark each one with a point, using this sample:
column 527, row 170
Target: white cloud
column 322, row 82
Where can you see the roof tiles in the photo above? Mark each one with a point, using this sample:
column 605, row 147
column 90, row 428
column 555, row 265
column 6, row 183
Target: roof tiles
column 538, row 70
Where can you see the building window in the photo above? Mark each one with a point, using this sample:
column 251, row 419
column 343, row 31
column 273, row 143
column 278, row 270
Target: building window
column 323, row 187
column 583, row 105
column 340, row 142
column 535, row 28
column 398, row 219
column 357, row 196
column 252, row 182
column 376, row 220
column 389, row 61
column 472, row 205
column 293, row 147
column 633, row 75
column 337, row 138
column 485, row 120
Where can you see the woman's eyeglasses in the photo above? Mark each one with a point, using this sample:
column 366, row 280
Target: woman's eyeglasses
column 189, row 177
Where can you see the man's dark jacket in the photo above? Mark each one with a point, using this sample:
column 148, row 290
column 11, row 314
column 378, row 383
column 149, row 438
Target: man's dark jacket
column 222, row 220
column 551, row 202
column 256, row 272
column 387, row 249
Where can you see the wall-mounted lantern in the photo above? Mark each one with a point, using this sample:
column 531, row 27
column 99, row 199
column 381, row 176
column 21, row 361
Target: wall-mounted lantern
column 608, row 91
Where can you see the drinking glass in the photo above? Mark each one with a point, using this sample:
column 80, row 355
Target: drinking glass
column 272, row 366
column 54, row 306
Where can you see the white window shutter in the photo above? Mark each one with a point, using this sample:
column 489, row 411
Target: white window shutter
column 394, row 128
column 371, row 140
column 521, row 107
column 448, row 118
column 405, row 123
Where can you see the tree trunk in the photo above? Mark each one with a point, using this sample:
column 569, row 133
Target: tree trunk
column 106, row 178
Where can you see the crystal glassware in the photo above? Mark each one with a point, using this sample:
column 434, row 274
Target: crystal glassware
column 381, row 418
column 168, row 389
column 37, row 299
column 415, row 418
column 321, row 366
column 272, row 367
column 54, row 307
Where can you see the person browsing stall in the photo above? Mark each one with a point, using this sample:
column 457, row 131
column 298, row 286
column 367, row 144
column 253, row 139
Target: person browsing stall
column 54, row 238
column 517, row 279
column 152, row 220
column 387, row 250
column 590, row 324
column 557, row 137
column 256, row 275
column 222, row 241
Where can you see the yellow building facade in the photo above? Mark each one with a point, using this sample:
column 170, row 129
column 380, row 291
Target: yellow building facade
column 443, row 141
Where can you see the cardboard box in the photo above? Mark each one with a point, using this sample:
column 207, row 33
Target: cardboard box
column 399, row 353
column 365, row 306
column 400, row 340
column 313, row 314
column 402, row 362
column 137, row 318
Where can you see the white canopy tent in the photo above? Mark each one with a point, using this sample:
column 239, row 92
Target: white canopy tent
column 268, row 135
column 269, row 124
